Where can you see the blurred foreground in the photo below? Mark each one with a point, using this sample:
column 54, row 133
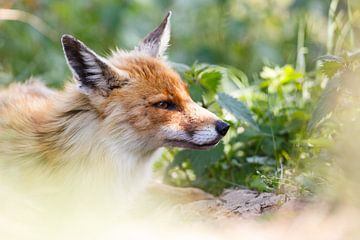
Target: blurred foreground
column 295, row 129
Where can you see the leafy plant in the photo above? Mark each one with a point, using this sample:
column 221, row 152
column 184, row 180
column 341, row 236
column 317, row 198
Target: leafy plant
column 279, row 122
column 336, row 69
column 267, row 117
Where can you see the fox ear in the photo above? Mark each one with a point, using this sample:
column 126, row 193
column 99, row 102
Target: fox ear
column 156, row 42
column 92, row 72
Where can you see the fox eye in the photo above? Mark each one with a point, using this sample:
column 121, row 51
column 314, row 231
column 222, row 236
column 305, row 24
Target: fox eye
column 168, row 105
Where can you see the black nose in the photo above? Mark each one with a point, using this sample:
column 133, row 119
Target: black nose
column 221, row 127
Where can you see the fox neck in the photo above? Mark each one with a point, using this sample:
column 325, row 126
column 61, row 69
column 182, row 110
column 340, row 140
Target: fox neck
column 77, row 141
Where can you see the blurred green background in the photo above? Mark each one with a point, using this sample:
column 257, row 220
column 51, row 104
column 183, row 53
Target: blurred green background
column 256, row 63
column 243, row 33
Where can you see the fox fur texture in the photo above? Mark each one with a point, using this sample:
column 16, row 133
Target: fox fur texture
column 107, row 125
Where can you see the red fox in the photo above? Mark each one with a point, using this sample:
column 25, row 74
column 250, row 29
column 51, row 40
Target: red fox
column 108, row 123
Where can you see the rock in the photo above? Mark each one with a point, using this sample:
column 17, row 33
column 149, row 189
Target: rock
column 246, row 203
column 242, row 203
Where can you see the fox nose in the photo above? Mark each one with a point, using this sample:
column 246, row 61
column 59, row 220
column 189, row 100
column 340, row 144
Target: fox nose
column 221, row 127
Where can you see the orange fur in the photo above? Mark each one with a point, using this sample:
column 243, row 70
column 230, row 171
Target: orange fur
column 41, row 125
column 107, row 124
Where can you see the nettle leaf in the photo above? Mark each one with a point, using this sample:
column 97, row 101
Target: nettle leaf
column 330, row 65
column 196, row 92
column 199, row 160
column 237, row 108
column 256, row 182
column 211, row 80
column 247, row 135
column 330, row 68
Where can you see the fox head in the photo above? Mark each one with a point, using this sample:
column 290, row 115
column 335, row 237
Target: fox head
column 138, row 96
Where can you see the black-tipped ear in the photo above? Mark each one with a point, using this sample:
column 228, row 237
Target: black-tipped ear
column 90, row 70
column 156, row 42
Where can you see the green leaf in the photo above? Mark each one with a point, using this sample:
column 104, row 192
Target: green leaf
column 199, row 160
column 196, row 92
column 247, row 135
column 211, row 80
column 256, row 182
column 290, row 74
column 237, row 108
column 330, row 65
column 330, row 68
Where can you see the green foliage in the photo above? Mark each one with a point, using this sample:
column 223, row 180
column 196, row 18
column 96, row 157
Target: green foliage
column 238, row 33
column 330, row 65
column 270, row 109
column 237, row 108
column 267, row 117
column 199, row 160
column 335, row 68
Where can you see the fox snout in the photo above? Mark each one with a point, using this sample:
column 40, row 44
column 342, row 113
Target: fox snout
column 221, row 127
column 197, row 128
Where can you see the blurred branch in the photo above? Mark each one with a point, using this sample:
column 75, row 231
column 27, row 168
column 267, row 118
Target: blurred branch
column 352, row 37
column 331, row 26
column 32, row 20
column 301, row 49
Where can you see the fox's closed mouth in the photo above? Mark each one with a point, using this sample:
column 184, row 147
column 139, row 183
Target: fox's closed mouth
column 187, row 144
